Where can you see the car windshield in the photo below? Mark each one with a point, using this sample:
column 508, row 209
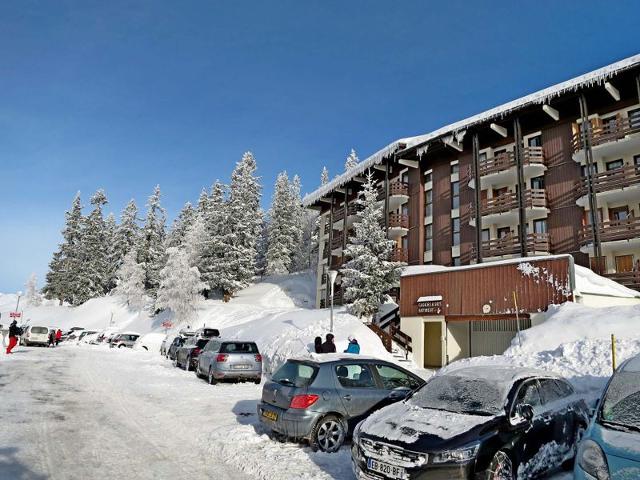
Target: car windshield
column 239, row 347
column 621, row 405
column 295, row 374
column 474, row 396
column 39, row 330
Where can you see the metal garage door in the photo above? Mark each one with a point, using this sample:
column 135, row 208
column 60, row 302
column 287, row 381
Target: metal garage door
column 493, row 337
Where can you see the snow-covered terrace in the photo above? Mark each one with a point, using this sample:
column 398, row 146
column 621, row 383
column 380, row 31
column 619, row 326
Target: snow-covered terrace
column 595, row 77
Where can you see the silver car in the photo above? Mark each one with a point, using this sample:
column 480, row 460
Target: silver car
column 322, row 400
column 230, row 360
column 124, row 340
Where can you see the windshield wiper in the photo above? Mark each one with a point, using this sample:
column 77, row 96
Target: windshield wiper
column 620, row 426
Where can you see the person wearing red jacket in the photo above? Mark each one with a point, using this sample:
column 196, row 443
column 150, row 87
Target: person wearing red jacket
column 58, row 336
column 14, row 331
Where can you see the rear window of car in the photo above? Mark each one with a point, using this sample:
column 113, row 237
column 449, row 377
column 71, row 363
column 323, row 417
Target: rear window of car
column 39, row 330
column 239, row 347
column 210, row 332
column 295, row 374
column 201, row 343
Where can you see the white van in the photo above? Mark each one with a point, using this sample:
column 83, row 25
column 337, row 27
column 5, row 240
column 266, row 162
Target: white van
column 35, row 336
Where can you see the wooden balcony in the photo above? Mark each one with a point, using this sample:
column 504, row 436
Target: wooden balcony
column 610, row 180
column 600, row 133
column 352, row 209
column 399, row 255
column 325, row 250
column 510, row 245
column 336, row 241
column 507, row 160
column 533, row 198
column 396, row 188
column 612, row 231
column 628, row 279
column 398, row 220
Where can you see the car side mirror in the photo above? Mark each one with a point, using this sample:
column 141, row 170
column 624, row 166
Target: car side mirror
column 525, row 411
column 399, row 393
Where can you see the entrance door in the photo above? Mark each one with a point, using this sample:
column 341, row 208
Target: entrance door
column 624, row 263
column 432, row 344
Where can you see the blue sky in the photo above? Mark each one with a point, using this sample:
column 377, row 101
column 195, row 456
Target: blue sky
column 127, row 95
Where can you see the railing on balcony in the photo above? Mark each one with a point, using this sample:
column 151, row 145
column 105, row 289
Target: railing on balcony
column 628, row 279
column 610, row 180
column 612, row 231
column 352, row 209
column 336, row 241
column 336, row 263
column 399, row 255
column 398, row 220
column 533, row 198
column 506, row 160
column 325, row 250
column 510, row 245
column 609, row 131
column 396, row 187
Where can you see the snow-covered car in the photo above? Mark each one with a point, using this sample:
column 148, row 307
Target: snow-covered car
column 72, row 334
column 34, row 335
column 124, row 340
column 166, row 343
column 82, row 338
column 187, row 354
column 229, row 360
column 149, row 342
column 322, row 399
column 490, row 422
column 609, row 448
column 207, row 333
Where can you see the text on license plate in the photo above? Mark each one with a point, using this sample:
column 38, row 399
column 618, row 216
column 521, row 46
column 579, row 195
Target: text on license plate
column 240, row 367
column 273, row 416
column 387, row 470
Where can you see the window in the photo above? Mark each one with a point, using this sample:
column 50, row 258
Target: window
column 540, row 226
column 587, row 217
column 428, row 203
column 594, row 169
column 634, row 118
column 537, row 183
column 239, row 347
column 428, row 176
column 455, row 195
column 535, row 141
column 500, row 152
column 355, row 376
column 405, row 178
column 619, row 213
column 455, row 168
column 484, row 236
column 504, row 232
column 636, row 159
column 455, row 261
column 296, row 374
column 528, row 394
column 498, row 192
column 455, row 230
column 552, row 391
column 393, row 378
column 609, row 123
column 482, row 157
column 428, row 237
column 598, row 265
column 615, row 164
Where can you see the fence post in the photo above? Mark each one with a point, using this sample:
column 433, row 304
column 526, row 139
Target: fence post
column 613, row 352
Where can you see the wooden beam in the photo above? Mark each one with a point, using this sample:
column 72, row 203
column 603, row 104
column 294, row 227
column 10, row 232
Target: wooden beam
column 408, row 163
column 552, row 112
column 522, row 215
column 359, row 179
column 477, row 197
column 499, row 129
column 613, row 91
column 453, row 144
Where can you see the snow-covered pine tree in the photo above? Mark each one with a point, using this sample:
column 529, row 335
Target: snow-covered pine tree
column 180, row 286
column 151, row 253
column 262, row 245
column 324, row 176
column 195, row 240
column 281, row 229
column 64, row 268
column 127, row 233
column 203, row 203
column 352, row 160
column 32, row 295
column 213, row 268
column 369, row 274
column 181, row 224
column 113, row 259
column 130, row 282
column 242, row 226
column 299, row 225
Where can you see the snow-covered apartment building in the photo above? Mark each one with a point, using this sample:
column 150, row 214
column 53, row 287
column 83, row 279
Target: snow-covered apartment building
column 554, row 172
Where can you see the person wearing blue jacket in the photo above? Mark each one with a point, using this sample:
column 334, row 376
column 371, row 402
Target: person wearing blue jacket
column 353, row 347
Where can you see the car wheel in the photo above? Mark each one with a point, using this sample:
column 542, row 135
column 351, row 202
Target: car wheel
column 121, row 346
column 257, row 381
column 501, row 467
column 328, row 434
column 175, row 361
column 211, row 378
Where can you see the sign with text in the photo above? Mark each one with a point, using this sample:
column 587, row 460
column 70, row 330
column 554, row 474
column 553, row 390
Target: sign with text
column 430, row 307
column 167, row 324
column 15, row 314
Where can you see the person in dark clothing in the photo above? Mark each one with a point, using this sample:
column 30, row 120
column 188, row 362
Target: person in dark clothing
column 14, row 332
column 328, row 346
column 52, row 338
column 317, row 344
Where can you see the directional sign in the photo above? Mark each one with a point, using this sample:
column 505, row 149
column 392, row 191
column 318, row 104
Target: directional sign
column 15, row 314
column 167, row 324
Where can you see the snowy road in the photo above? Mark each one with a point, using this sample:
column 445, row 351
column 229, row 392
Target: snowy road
column 75, row 413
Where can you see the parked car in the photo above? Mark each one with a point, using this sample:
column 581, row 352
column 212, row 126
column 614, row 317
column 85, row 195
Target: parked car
column 34, row 335
column 609, row 448
column 124, row 340
column 166, row 343
column 207, row 333
column 321, row 400
column 84, row 333
column 491, row 422
column 187, row 355
column 229, row 360
column 175, row 345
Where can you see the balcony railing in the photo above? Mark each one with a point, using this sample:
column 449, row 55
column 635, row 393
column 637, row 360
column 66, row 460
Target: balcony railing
column 533, row 198
column 352, row 209
column 325, row 251
column 336, row 241
column 398, row 220
column 628, row 279
column 395, row 188
column 610, row 180
column 610, row 131
column 506, row 160
column 612, row 231
column 510, row 245
column 399, row 255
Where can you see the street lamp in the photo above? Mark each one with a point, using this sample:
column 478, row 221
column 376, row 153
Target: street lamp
column 332, row 280
column 18, row 302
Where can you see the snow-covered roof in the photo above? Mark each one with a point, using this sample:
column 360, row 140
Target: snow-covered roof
column 332, row 357
column 590, row 283
column 540, row 97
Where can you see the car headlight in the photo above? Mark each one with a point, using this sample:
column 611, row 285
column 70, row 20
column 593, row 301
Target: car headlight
column 592, row 460
column 460, row 455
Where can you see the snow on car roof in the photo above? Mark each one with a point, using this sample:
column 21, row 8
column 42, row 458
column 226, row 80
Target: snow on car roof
column 499, row 373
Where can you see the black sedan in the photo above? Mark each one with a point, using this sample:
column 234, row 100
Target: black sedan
column 494, row 423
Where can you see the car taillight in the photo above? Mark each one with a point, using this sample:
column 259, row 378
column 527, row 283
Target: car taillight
column 196, row 351
column 303, row 401
column 221, row 357
column 258, row 358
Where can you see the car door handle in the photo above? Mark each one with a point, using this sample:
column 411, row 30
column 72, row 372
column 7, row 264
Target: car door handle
column 347, row 397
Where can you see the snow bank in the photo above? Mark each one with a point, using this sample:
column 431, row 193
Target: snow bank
column 590, row 282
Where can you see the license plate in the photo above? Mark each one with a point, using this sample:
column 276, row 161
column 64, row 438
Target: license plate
column 273, row 416
column 240, row 367
column 387, row 470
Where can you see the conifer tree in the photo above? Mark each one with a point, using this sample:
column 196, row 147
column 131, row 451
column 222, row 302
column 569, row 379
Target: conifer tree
column 212, row 266
column 281, row 229
column 32, row 295
column 352, row 160
column 180, row 226
column 113, row 258
column 369, row 274
column 324, row 177
column 299, row 225
column 151, row 253
column 195, row 241
column 130, row 281
column 127, row 233
column 180, row 286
